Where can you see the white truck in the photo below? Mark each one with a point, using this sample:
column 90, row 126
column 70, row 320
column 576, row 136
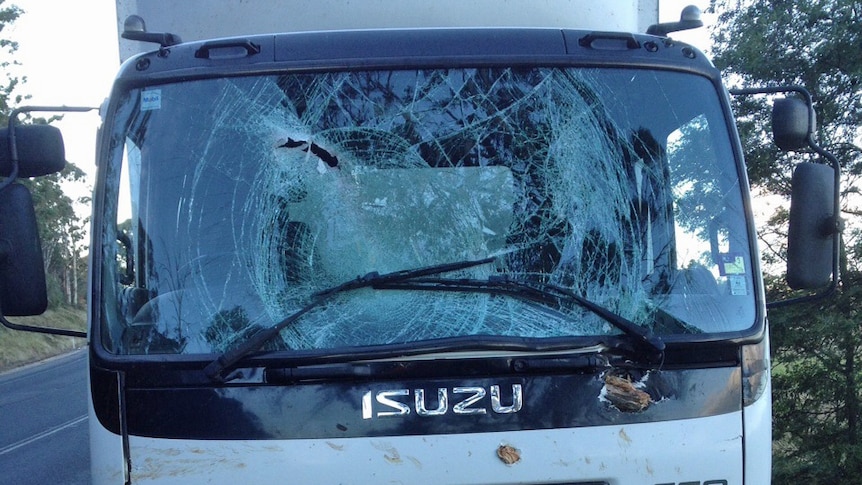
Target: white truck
column 468, row 242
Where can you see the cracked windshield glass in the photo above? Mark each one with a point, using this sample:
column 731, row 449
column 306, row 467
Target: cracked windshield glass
column 237, row 199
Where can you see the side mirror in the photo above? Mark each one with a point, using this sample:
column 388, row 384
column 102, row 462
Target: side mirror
column 792, row 123
column 815, row 222
column 23, row 289
column 26, row 151
column 40, row 151
column 813, row 227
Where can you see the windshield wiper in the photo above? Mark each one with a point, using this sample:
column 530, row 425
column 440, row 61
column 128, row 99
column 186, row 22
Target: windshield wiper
column 214, row 369
column 545, row 293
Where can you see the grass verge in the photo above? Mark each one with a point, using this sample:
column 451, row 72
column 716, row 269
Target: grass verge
column 19, row 348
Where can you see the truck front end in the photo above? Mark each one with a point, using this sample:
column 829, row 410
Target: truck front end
column 466, row 256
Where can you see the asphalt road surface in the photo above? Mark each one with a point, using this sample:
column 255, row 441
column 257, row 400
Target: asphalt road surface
column 43, row 423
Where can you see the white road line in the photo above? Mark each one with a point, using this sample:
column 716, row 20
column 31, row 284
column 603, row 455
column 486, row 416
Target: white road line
column 43, row 434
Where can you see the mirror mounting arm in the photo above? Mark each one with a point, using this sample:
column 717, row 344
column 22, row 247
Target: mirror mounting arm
column 46, row 330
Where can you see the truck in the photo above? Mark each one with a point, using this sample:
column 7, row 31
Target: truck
column 443, row 242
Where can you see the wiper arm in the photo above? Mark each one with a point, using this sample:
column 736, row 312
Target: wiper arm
column 546, row 293
column 214, row 369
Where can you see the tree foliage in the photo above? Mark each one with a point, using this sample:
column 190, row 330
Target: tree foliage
column 8, row 47
column 62, row 232
column 816, row 432
column 816, row 347
column 815, row 44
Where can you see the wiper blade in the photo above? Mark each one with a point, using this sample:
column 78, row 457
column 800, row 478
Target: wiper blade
column 214, row 369
column 375, row 279
column 546, row 293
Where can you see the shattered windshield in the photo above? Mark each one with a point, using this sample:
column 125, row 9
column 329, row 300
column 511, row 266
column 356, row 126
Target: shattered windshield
column 233, row 201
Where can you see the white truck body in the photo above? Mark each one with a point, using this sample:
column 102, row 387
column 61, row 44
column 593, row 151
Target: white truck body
column 604, row 454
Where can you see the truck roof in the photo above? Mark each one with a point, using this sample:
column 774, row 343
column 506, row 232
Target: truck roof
column 203, row 19
column 406, row 48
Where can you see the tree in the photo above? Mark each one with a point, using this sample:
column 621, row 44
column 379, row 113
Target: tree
column 816, row 347
column 8, row 14
column 61, row 231
column 810, row 43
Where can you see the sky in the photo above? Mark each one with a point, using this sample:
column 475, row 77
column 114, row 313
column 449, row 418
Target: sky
column 68, row 52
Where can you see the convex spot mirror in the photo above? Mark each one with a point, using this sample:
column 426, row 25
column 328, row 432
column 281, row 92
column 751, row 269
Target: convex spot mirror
column 792, row 123
column 40, row 151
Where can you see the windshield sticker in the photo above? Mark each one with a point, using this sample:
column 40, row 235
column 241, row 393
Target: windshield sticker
column 151, row 99
column 731, row 264
column 737, row 285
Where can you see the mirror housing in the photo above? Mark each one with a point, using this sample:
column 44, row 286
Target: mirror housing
column 813, row 227
column 792, row 123
column 23, row 289
column 40, row 151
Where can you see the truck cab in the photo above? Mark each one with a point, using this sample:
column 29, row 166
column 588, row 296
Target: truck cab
column 465, row 255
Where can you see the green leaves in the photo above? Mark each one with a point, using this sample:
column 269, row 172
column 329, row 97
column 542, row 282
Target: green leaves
column 816, row 391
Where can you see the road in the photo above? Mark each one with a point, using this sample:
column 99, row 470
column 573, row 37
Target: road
column 43, row 423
